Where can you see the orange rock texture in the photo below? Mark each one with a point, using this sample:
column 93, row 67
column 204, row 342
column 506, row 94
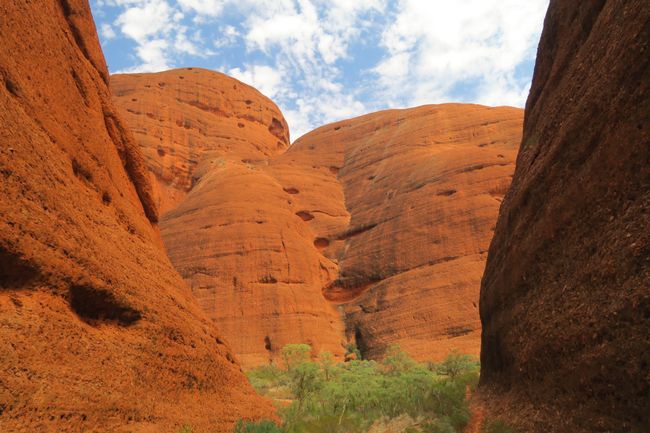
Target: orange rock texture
column 565, row 300
column 404, row 202
column 372, row 230
column 233, row 232
column 98, row 332
column 188, row 120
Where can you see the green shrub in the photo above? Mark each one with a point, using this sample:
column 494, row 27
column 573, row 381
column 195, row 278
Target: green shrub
column 352, row 348
column 186, row 429
column 263, row 426
column 442, row 425
column 349, row 397
column 295, row 354
column 456, row 364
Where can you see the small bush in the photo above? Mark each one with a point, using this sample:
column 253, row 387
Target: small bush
column 186, row 429
column 263, row 426
column 439, row 426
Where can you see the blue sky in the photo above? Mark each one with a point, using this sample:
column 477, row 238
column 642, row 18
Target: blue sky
column 327, row 60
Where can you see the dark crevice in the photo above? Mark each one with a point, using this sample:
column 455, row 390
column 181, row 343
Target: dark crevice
column 80, row 86
column 134, row 167
column 457, row 331
column 356, row 231
column 268, row 279
column 360, row 341
column 80, row 171
column 15, row 271
column 321, row 243
column 305, row 216
column 277, row 129
column 267, row 344
column 68, row 13
column 94, row 306
column 11, row 86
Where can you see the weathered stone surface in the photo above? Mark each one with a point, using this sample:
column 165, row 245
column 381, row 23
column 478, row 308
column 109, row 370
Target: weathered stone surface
column 404, row 201
column 565, row 299
column 372, row 230
column 234, row 233
column 187, row 120
column 98, row 332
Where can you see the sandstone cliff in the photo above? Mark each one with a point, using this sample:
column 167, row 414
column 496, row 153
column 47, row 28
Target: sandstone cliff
column 187, row 120
column 233, row 232
column 372, row 230
column 97, row 330
column 565, row 300
column 404, row 201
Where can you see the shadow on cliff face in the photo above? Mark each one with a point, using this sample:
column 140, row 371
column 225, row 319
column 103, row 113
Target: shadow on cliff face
column 566, row 292
column 15, row 271
column 95, row 306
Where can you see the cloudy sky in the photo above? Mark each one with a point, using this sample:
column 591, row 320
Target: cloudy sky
column 326, row 60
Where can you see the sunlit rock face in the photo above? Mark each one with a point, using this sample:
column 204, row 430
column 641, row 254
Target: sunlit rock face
column 372, row 230
column 565, row 300
column 187, row 120
column 98, row 332
column 231, row 228
column 405, row 201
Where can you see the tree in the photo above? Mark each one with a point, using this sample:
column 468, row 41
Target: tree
column 456, row 364
column 295, row 354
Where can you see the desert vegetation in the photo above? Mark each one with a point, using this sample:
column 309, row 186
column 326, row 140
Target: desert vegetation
column 314, row 394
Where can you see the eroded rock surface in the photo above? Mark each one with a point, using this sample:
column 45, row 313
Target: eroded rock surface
column 188, row 120
column 404, row 201
column 98, row 332
column 234, row 233
column 372, row 230
column 565, row 300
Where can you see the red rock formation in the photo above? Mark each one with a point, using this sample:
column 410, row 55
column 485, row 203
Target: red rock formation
column 405, row 202
column 187, row 120
column 565, row 300
column 401, row 203
column 236, row 236
column 97, row 330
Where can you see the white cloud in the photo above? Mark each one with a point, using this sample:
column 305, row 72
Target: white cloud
column 203, row 7
column 298, row 52
column 264, row 78
column 107, row 32
column 434, row 46
column 145, row 20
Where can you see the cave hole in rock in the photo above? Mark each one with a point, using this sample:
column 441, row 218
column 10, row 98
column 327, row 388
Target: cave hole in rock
column 95, row 305
column 11, row 87
column 447, row 192
column 277, row 129
column 305, row 216
column 360, row 341
column 291, row 190
column 321, row 243
column 267, row 344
